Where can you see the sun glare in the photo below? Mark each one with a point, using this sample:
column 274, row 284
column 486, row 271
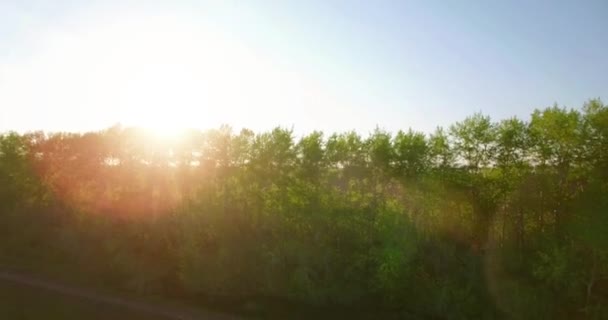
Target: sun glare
column 165, row 72
column 162, row 73
column 163, row 132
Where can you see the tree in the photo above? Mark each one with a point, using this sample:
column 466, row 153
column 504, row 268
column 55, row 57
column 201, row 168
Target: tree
column 411, row 153
column 483, row 220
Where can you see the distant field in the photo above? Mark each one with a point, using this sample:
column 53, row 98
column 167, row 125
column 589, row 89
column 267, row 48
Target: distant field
column 24, row 303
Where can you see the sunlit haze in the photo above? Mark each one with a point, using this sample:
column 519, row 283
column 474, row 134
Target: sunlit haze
column 303, row 159
column 86, row 65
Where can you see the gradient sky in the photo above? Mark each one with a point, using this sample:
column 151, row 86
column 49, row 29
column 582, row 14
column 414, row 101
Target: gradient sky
column 330, row 65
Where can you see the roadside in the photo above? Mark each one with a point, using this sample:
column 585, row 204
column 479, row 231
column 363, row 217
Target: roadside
column 21, row 282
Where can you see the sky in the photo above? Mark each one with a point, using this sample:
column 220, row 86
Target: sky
column 331, row 65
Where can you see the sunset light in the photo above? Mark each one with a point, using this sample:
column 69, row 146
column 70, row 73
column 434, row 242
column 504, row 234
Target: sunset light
column 159, row 71
column 303, row 159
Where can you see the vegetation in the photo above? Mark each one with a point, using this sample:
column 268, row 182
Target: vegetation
column 482, row 219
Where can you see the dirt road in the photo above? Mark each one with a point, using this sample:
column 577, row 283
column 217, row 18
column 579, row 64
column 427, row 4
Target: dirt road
column 92, row 296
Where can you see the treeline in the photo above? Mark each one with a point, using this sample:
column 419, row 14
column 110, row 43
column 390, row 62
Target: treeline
column 483, row 219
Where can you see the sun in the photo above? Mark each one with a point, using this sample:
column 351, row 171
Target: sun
column 163, row 127
column 165, row 132
column 166, row 73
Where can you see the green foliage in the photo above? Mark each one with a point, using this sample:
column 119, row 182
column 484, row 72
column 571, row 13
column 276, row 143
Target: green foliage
column 474, row 140
column 411, row 153
column 484, row 220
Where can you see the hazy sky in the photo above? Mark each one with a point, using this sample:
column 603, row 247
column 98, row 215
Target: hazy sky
column 330, row 65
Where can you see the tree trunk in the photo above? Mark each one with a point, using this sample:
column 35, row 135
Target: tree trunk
column 591, row 282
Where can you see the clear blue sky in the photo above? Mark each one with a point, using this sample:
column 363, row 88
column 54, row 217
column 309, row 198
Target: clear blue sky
column 330, row 65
